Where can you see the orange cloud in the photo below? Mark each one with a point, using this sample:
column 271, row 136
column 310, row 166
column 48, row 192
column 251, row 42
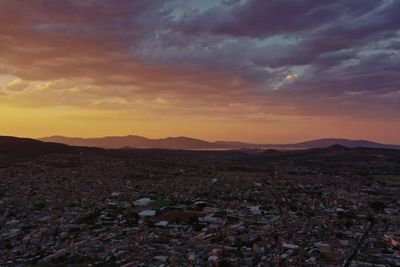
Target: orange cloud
column 77, row 67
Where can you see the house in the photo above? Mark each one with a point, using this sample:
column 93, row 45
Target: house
column 142, row 201
column 147, row 213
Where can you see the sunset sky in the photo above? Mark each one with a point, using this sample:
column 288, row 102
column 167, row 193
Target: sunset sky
column 270, row 71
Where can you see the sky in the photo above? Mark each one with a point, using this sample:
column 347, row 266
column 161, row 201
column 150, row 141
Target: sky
column 272, row 71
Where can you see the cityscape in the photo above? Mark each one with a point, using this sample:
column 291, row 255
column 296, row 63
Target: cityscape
column 215, row 133
column 317, row 207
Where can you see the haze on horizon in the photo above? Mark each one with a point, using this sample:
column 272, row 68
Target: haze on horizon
column 276, row 71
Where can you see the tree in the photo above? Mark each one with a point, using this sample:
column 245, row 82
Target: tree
column 377, row 206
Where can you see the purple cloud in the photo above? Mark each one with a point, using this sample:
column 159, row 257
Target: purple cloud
column 343, row 48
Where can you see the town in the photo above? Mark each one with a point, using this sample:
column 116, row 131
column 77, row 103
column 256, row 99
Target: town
column 198, row 209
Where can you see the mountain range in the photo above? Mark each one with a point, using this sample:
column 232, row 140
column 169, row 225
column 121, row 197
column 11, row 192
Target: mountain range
column 21, row 147
column 134, row 141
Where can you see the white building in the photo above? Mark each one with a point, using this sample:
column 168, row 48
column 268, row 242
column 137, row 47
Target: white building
column 147, row 213
column 142, row 201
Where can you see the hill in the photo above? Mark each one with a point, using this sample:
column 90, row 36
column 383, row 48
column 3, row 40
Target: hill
column 26, row 146
column 134, row 141
column 335, row 152
column 317, row 143
column 326, row 142
column 15, row 145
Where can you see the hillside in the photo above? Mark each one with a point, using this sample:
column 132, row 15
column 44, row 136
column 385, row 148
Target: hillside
column 317, row 143
column 133, row 141
column 15, row 145
column 335, row 151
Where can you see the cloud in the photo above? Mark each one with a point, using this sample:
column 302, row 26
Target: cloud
column 16, row 85
column 260, row 19
column 109, row 54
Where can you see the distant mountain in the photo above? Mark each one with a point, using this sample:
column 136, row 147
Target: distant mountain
column 26, row 146
column 335, row 151
column 326, row 142
column 318, row 143
column 15, row 145
column 236, row 144
column 133, row 141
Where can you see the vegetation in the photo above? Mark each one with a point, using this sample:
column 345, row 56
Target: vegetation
column 89, row 218
column 388, row 177
column 158, row 204
column 377, row 206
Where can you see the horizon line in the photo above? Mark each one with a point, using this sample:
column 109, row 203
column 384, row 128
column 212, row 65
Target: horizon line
column 206, row 140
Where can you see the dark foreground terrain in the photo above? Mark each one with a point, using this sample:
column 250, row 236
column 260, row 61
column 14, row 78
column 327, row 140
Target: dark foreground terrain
column 65, row 206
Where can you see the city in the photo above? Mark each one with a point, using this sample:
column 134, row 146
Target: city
column 200, row 133
column 187, row 208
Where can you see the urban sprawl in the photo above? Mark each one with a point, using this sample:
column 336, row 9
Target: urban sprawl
column 205, row 209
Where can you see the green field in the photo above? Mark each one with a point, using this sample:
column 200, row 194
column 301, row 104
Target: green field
column 158, row 204
column 388, row 177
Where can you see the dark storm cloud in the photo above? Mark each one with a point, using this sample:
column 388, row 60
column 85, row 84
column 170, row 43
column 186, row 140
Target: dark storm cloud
column 336, row 44
column 373, row 74
column 265, row 49
column 260, row 18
